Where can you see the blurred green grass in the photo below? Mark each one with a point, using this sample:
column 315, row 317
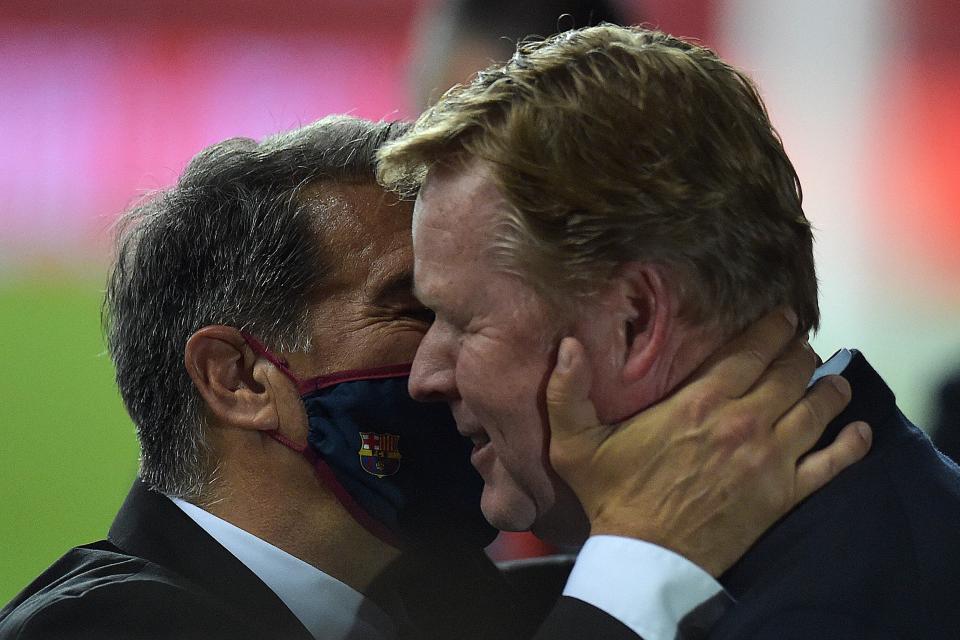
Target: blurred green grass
column 68, row 451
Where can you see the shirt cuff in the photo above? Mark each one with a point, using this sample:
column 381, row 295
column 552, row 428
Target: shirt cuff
column 652, row 590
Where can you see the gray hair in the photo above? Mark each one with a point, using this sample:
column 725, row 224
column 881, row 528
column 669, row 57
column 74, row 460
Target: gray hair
column 233, row 243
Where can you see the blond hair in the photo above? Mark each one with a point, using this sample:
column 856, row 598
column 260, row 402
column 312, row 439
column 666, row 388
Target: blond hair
column 614, row 144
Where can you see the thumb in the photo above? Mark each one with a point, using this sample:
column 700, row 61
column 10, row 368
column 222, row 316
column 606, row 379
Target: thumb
column 572, row 414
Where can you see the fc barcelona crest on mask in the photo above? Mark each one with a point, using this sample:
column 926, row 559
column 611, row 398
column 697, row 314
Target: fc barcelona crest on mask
column 379, row 453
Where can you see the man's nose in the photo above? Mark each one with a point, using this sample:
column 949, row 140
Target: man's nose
column 433, row 375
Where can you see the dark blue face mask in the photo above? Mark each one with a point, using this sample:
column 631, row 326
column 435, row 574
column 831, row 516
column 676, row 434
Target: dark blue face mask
column 398, row 466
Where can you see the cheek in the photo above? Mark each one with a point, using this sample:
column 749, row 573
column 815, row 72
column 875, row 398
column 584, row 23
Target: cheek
column 399, row 345
column 489, row 373
column 505, row 390
column 375, row 346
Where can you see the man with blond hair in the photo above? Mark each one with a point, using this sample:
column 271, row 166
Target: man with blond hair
column 615, row 200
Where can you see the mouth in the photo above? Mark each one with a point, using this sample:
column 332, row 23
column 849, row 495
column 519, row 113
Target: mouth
column 471, row 429
column 481, row 449
column 475, row 434
column 479, row 440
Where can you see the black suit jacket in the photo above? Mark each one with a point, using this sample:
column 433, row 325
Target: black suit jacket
column 875, row 554
column 946, row 430
column 159, row 575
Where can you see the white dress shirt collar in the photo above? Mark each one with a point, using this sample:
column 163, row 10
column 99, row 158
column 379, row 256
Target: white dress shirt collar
column 328, row 608
column 836, row 364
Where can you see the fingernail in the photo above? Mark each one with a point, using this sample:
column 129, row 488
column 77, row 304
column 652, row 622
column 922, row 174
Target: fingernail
column 865, row 433
column 840, row 384
column 791, row 316
column 564, row 357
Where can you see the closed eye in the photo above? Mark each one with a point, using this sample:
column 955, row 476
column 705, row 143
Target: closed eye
column 420, row 314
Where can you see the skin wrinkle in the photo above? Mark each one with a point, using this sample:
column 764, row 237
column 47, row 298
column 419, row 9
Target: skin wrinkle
column 354, row 310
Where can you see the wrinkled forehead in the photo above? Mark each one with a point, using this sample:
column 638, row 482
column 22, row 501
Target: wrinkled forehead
column 454, row 241
column 451, row 223
column 357, row 208
column 363, row 230
column 460, row 202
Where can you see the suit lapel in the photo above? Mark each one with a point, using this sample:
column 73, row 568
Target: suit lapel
column 872, row 401
column 150, row 526
column 785, row 544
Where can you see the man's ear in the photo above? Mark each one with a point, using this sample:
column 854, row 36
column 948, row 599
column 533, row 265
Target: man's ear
column 651, row 306
column 221, row 365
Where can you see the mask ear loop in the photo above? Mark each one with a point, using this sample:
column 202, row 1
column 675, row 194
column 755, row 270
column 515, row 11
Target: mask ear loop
column 261, row 350
column 323, row 471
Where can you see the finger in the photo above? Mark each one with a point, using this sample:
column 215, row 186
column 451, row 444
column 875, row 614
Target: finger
column 569, row 407
column 734, row 368
column 817, row 469
column 783, row 383
column 800, row 428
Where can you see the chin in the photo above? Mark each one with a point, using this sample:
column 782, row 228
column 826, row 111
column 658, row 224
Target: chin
column 506, row 515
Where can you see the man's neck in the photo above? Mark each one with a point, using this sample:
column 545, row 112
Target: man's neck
column 691, row 347
column 686, row 348
column 305, row 520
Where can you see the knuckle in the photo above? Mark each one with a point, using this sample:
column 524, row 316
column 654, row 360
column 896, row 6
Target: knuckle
column 758, row 462
column 786, row 500
column 810, row 412
column 736, row 431
column 703, row 404
column 556, row 395
column 562, row 457
column 826, row 469
column 831, row 467
column 750, row 466
column 755, row 357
